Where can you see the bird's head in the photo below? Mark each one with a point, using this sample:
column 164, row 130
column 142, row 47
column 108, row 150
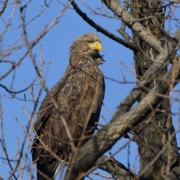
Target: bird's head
column 87, row 45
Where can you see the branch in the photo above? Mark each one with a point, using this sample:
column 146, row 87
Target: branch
column 16, row 92
column 3, row 7
column 120, row 82
column 121, row 30
column 127, row 44
column 115, row 168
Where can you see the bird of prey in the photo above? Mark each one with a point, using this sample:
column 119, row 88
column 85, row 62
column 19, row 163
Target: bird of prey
column 70, row 110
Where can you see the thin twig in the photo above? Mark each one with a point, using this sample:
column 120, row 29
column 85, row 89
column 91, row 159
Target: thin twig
column 18, row 91
column 2, row 141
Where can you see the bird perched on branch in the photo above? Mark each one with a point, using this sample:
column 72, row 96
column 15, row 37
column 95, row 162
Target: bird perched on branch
column 68, row 114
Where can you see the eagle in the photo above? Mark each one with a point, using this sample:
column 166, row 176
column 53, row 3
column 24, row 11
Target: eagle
column 68, row 114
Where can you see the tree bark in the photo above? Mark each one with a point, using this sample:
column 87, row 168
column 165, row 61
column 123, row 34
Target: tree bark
column 155, row 130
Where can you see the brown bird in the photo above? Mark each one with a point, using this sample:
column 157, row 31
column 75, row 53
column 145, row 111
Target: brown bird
column 78, row 95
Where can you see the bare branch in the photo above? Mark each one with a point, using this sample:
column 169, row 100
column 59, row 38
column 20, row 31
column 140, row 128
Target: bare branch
column 3, row 7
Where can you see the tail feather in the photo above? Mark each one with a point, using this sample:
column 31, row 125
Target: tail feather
column 48, row 170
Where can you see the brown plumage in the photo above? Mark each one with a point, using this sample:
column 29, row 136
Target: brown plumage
column 79, row 95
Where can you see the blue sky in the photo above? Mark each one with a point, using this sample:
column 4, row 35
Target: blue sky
column 55, row 47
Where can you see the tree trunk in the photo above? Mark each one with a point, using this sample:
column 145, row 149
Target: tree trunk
column 154, row 132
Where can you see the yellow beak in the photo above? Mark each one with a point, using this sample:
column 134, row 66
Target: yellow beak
column 96, row 46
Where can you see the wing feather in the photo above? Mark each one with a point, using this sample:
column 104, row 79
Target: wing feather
column 79, row 96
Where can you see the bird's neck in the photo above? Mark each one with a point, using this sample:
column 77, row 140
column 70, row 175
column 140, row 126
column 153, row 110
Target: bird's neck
column 78, row 58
